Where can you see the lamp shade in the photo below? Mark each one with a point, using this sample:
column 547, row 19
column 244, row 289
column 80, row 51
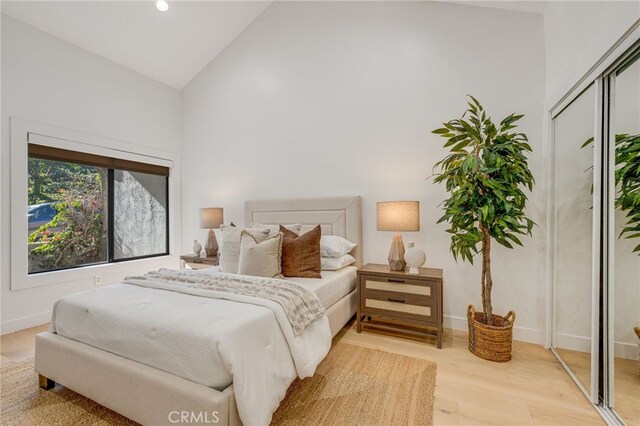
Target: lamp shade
column 398, row 216
column 211, row 217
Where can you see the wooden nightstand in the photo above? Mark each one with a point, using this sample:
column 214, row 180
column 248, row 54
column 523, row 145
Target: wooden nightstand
column 196, row 262
column 399, row 301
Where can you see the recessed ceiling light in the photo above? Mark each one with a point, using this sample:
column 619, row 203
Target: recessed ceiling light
column 162, row 5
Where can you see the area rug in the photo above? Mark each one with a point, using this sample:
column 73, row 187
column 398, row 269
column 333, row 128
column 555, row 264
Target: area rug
column 360, row 386
column 353, row 385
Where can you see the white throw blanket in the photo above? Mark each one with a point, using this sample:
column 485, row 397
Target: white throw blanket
column 259, row 383
column 300, row 305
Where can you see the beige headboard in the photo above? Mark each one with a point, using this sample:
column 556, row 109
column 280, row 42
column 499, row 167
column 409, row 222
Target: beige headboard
column 340, row 216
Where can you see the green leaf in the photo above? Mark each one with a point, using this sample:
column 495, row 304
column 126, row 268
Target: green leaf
column 514, row 239
column 461, row 145
column 588, row 142
column 485, row 175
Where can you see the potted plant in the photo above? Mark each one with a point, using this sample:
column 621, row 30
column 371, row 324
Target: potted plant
column 485, row 174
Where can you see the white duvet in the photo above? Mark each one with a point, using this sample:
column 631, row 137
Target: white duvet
column 210, row 338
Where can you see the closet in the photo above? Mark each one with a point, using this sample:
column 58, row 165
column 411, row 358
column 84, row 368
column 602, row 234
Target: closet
column 595, row 236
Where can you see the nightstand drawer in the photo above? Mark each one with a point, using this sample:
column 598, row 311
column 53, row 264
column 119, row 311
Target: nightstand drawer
column 404, row 305
column 424, row 287
column 391, row 309
column 398, row 307
column 409, row 287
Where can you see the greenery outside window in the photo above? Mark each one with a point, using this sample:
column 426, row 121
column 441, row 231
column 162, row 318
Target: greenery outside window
column 87, row 209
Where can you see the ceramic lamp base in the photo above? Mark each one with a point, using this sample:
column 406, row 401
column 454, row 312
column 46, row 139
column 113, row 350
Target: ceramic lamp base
column 396, row 254
column 212, row 244
column 414, row 271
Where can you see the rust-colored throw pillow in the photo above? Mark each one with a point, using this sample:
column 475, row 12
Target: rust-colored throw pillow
column 301, row 253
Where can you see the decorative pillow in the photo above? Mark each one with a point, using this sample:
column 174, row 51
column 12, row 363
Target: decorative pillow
column 335, row 263
column 301, row 254
column 275, row 229
column 219, row 235
column 260, row 259
column 229, row 254
column 335, row 246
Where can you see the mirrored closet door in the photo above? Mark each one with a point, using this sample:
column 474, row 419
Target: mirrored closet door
column 624, row 278
column 573, row 249
column 595, row 230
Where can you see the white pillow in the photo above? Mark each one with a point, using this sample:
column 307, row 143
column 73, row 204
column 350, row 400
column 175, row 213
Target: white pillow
column 335, row 246
column 260, row 259
column 229, row 255
column 275, row 229
column 335, row 263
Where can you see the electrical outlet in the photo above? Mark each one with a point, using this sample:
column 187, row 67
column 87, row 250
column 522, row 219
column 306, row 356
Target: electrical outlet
column 97, row 280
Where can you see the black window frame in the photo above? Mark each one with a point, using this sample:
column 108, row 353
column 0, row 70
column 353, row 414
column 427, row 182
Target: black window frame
column 110, row 164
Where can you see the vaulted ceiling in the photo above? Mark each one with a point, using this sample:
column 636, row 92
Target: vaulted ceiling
column 172, row 46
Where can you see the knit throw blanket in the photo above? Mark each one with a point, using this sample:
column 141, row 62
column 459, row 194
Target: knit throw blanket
column 301, row 306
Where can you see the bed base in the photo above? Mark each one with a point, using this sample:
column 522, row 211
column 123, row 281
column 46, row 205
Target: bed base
column 145, row 394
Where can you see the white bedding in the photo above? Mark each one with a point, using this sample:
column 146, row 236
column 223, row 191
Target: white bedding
column 333, row 285
column 211, row 341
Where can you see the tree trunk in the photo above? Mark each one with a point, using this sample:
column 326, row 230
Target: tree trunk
column 484, row 277
column 487, row 282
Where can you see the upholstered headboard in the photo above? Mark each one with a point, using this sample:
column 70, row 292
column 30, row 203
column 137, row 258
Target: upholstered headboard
column 340, row 216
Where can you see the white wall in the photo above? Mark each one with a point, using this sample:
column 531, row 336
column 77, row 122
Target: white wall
column 328, row 98
column 577, row 34
column 50, row 81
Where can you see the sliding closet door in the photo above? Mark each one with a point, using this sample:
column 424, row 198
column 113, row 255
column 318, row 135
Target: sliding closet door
column 573, row 264
column 624, row 247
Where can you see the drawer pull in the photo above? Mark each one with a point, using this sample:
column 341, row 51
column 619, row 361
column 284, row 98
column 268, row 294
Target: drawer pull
column 391, row 299
column 394, row 280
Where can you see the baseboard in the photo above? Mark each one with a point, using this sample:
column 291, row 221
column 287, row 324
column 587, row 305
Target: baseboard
column 583, row 344
column 573, row 342
column 25, row 322
column 627, row 350
column 521, row 334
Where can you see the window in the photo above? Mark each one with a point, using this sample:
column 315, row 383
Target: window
column 86, row 209
column 139, row 232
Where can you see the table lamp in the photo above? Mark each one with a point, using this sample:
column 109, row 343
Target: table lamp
column 398, row 216
column 211, row 218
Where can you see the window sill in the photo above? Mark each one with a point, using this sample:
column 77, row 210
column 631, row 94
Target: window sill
column 109, row 272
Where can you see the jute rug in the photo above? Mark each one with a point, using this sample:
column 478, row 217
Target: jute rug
column 359, row 386
column 353, row 385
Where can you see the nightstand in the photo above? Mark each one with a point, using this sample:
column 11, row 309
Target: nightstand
column 399, row 301
column 196, row 262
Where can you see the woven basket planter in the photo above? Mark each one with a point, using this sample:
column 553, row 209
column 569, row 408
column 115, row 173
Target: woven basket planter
column 490, row 342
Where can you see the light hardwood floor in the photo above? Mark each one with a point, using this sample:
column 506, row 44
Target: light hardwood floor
column 531, row 389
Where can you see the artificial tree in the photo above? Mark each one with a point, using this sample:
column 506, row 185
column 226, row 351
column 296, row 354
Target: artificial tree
column 485, row 174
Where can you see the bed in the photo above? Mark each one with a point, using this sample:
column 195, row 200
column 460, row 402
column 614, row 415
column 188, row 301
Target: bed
column 156, row 394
